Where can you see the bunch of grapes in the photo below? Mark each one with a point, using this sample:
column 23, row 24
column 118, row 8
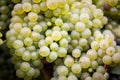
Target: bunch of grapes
column 67, row 33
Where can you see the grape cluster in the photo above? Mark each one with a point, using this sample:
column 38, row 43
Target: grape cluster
column 67, row 33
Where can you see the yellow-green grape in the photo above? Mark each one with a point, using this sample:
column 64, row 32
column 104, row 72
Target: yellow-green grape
column 104, row 44
column 63, row 42
column 27, row 6
column 52, row 4
column 94, row 64
column 34, row 55
column 35, row 36
column 56, row 35
column 116, row 58
column 17, row 44
column 28, row 41
column 84, row 62
column 98, row 76
column 69, row 61
column 58, row 22
column 18, row 8
column 91, row 54
column 44, row 51
column 97, row 23
column 107, row 60
column 79, row 26
column 98, row 13
column 25, row 32
column 110, row 51
column 76, row 68
column 76, row 53
column 43, row 6
column 72, row 77
column 84, row 17
column 54, row 46
column 20, row 73
column 53, row 55
column 36, row 1
column 86, row 33
column 62, row 78
column 62, row 70
column 94, row 45
column 32, row 16
column 74, row 18
column 101, row 69
column 62, row 52
column 37, row 28
column 101, row 52
column 25, row 66
column 61, row 3
column 83, row 42
column 26, row 56
column 35, row 8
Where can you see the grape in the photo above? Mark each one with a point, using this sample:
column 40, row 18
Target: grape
column 71, row 77
column 101, row 69
column 69, row 61
column 37, row 28
column 91, row 54
column 53, row 55
column 107, row 60
column 20, row 73
column 28, row 41
column 84, row 17
column 79, row 26
column 62, row 71
column 84, row 62
column 27, row 6
column 56, row 35
column 94, row 45
column 32, row 16
column 36, row 1
column 58, row 22
column 25, row 66
column 18, row 44
column 44, row 51
column 52, row 4
column 98, row 76
column 76, row 68
column 26, row 56
column 110, row 51
column 76, row 53
column 62, row 52
column 62, row 78
column 116, row 58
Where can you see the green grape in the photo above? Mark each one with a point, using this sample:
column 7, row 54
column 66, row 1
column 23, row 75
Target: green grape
column 19, row 51
column 79, row 26
column 62, row 78
column 98, row 76
column 54, row 46
column 48, row 32
column 72, row 77
column 27, row 6
column 64, row 34
column 107, row 60
column 104, row 44
column 37, row 73
column 25, row 32
column 35, row 8
column 25, row 66
column 26, row 56
column 20, row 73
column 91, row 54
column 41, row 43
column 44, row 51
column 37, row 63
column 84, row 75
column 116, row 58
column 31, row 48
column 98, row 13
column 84, row 62
column 37, row 28
column 61, row 3
column 17, row 44
column 28, row 41
column 31, row 72
column 84, row 17
column 101, row 69
column 62, row 52
column 110, row 51
column 74, row 18
column 112, row 2
column 89, row 24
column 53, row 55
column 69, row 61
column 65, row 27
column 56, row 35
column 94, row 64
column 35, row 36
column 101, row 52
column 88, row 78
column 63, row 42
column 34, row 55
column 62, row 70
column 17, row 27
column 75, row 35
column 32, row 16
column 36, row 1
column 18, row 9
column 82, row 42
column 94, row 45
column 43, row 6
column 97, row 23
column 86, row 33
column 48, row 40
column 76, row 53
column 52, row 4
column 58, row 22
column 76, row 68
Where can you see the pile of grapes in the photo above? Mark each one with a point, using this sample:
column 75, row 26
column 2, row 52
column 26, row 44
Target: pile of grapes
column 59, row 39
